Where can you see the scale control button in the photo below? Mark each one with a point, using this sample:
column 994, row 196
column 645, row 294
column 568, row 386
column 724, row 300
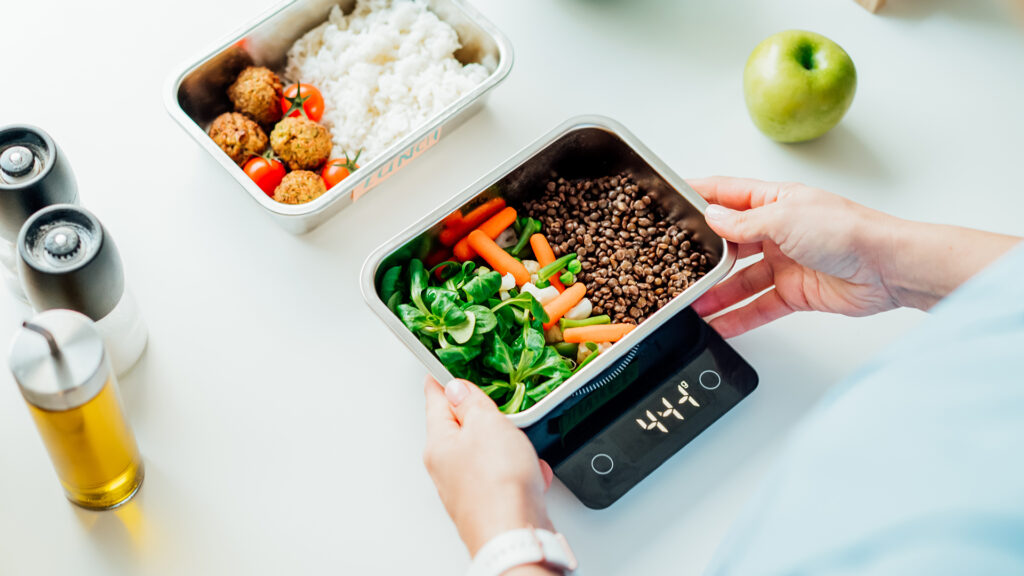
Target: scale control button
column 709, row 379
column 602, row 464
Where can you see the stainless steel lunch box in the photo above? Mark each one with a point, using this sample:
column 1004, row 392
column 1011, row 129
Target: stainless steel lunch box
column 587, row 146
column 196, row 94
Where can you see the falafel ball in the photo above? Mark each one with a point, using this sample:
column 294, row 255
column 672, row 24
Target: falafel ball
column 301, row 143
column 238, row 136
column 257, row 94
column 299, row 187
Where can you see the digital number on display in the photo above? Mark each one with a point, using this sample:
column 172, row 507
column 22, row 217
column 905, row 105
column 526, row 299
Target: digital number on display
column 662, row 417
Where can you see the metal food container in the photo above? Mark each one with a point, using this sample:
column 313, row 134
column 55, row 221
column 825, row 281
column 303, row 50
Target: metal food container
column 583, row 147
column 197, row 93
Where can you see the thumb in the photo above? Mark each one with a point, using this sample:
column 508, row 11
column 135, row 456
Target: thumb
column 742, row 226
column 467, row 400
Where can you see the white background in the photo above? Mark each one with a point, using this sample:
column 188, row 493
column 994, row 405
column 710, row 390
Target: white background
column 282, row 423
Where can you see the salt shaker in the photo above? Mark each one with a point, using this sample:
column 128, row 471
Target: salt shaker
column 67, row 260
column 34, row 174
column 64, row 374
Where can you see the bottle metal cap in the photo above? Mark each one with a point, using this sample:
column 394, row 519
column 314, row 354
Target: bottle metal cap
column 58, row 360
column 67, row 260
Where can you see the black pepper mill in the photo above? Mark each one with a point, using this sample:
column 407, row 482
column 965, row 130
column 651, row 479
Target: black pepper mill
column 34, row 174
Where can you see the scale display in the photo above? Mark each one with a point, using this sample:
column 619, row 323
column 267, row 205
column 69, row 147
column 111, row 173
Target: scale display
column 669, row 413
column 628, row 420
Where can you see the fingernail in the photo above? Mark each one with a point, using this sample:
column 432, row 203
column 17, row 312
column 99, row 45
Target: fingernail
column 456, row 392
column 717, row 214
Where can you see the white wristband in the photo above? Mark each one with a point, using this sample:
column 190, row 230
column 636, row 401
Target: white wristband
column 521, row 547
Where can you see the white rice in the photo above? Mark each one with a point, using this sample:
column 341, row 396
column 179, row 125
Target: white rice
column 384, row 70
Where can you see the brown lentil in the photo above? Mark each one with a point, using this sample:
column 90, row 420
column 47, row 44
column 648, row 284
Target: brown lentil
column 634, row 261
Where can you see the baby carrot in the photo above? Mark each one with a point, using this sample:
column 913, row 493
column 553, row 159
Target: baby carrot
column 564, row 302
column 493, row 227
column 459, row 228
column 545, row 255
column 501, row 261
column 453, row 219
column 599, row 333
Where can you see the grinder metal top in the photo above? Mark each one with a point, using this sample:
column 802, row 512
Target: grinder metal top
column 33, row 175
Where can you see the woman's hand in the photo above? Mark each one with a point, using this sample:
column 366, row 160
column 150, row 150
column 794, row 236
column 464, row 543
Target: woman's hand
column 823, row 252
column 816, row 253
column 486, row 471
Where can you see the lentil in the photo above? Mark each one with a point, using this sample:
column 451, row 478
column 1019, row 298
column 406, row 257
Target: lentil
column 634, row 261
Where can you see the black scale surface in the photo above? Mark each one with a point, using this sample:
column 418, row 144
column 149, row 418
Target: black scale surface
column 627, row 421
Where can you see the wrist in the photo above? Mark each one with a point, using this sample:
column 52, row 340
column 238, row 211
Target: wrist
column 533, row 570
column 922, row 263
column 525, row 552
column 898, row 251
column 513, row 511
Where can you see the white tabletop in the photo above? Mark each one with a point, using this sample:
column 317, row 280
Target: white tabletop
column 282, row 424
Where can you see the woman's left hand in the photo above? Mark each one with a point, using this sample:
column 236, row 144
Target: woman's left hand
column 486, row 471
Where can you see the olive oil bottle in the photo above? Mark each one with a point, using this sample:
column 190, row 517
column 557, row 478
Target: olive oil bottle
column 60, row 364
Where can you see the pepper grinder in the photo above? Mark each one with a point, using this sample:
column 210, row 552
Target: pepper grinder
column 34, row 174
column 64, row 374
column 67, row 260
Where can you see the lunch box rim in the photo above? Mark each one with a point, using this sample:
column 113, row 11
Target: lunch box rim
column 344, row 189
column 608, row 358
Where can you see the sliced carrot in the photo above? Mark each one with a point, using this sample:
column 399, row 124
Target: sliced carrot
column 494, row 226
column 545, row 255
column 564, row 302
column 501, row 261
column 597, row 333
column 457, row 230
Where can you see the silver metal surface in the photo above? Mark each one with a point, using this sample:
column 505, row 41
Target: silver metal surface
column 61, row 241
column 196, row 94
column 17, row 161
column 69, row 378
column 587, row 146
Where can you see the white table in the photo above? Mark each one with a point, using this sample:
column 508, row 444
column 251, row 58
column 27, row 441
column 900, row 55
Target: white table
column 282, row 423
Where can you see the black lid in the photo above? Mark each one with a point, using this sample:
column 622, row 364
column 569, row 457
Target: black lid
column 67, row 260
column 34, row 174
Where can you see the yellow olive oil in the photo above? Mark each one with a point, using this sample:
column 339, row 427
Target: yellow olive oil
column 93, row 450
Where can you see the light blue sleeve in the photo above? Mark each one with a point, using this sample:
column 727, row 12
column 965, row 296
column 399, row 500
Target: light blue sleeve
column 913, row 466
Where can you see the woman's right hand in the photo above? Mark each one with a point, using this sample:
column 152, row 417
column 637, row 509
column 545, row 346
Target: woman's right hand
column 826, row 253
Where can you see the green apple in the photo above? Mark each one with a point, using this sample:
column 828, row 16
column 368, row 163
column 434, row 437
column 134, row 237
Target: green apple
column 798, row 85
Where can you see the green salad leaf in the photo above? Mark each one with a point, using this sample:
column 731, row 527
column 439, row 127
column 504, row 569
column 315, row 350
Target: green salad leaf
column 417, row 283
column 515, row 403
column 498, row 344
column 457, row 354
column 485, row 319
column 482, row 286
column 525, row 301
column 391, row 289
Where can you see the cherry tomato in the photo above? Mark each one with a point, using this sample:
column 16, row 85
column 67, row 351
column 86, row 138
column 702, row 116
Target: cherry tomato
column 337, row 169
column 302, row 99
column 267, row 173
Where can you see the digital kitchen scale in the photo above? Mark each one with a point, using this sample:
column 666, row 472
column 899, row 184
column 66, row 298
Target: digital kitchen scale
column 608, row 436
